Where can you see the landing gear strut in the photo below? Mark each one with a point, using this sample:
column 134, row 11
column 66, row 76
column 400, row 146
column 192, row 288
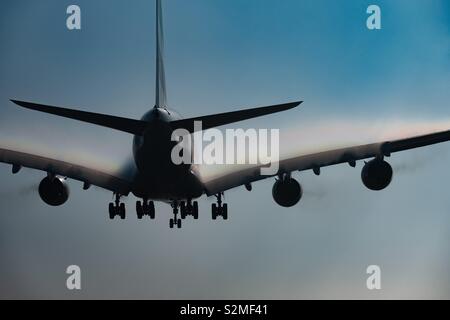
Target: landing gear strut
column 146, row 209
column 219, row 208
column 175, row 221
column 117, row 208
column 189, row 208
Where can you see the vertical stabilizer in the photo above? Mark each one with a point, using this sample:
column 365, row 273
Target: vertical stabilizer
column 161, row 96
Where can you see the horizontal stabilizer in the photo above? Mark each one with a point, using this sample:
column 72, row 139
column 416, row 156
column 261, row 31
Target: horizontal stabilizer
column 132, row 126
column 221, row 119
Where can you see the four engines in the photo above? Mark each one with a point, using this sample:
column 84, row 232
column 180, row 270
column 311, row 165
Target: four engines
column 54, row 191
column 287, row 192
column 376, row 175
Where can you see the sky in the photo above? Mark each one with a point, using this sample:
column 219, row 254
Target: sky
column 359, row 86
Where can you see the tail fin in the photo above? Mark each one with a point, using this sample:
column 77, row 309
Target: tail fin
column 161, row 96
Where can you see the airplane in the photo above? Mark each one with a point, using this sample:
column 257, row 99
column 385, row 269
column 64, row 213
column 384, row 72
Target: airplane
column 159, row 179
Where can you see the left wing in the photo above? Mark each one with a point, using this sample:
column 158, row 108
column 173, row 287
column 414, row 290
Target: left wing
column 65, row 169
column 316, row 161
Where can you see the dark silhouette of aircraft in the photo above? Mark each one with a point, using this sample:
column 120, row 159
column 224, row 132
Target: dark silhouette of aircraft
column 159, row 179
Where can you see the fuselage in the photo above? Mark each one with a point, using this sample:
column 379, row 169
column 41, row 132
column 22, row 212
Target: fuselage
column 158, row 177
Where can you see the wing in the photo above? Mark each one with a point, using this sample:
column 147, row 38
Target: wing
column 323, row 159
column 65, row 169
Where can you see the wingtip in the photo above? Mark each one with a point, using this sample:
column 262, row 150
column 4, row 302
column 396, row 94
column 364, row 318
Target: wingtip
column 20, row 103
column 296, row 104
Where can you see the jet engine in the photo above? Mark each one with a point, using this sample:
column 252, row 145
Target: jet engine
column 287, row 192
column 377, row 174
column 54, row 191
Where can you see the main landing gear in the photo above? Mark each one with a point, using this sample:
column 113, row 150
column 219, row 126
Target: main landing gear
column 117, row 208
column 189, row 208
column 219, row 208
column 146, row 209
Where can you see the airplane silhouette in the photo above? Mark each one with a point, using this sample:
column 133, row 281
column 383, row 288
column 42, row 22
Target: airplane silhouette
column 159, row 179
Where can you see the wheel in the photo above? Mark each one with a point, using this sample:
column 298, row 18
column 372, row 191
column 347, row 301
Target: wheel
column 122, row 211
column 179, row 223
column 225, row 211
column 151, row 210
column 214, row 211
column 112, row 212
column 183, row 210
column 171, row 223
column 139, row 210
column 195, row 210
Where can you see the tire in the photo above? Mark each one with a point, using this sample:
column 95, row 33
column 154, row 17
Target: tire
column 183, row 210
column 179, row 224
column 171, row 223
column 112, row 212
column 214, row 211
column 139, row 210
column 152, row 210
column 195, row 211
column 122, row 211
column 225, row 211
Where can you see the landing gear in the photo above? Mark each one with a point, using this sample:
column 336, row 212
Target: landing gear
column 117, row 208
column 189, row 208
column 175, row 221
column 219, row 208
column 146, row 209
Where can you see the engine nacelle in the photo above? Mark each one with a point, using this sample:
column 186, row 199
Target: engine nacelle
column 54, row 191
column 377, row 174
column 287, row 193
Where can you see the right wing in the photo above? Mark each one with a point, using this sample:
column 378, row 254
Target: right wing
column 61, row 168
column 318, row 160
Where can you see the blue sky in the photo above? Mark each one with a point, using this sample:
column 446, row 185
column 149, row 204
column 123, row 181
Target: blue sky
column 221, row 56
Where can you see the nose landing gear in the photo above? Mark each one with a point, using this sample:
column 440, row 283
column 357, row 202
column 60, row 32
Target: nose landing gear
column 219, row 208
column 175, row 221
